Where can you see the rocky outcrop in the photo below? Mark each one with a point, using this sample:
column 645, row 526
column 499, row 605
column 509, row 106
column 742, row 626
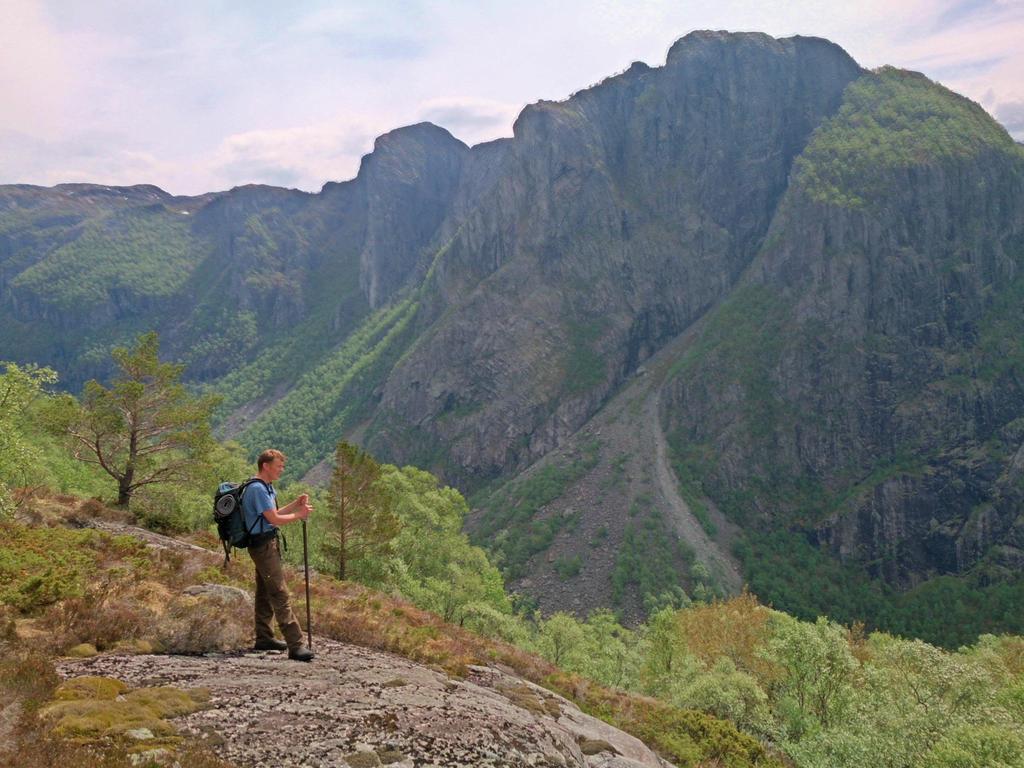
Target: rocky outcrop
column 358, row 707
column 411, row 177
column 866, row 363
column 621, row 214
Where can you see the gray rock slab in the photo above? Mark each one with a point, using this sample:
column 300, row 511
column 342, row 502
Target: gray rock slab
column 267, row 710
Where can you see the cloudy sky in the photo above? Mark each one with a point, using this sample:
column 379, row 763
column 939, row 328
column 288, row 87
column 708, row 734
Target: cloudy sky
column 202, row 95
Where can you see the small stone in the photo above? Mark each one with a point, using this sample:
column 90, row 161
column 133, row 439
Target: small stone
column 221, row 592
column 139, row 734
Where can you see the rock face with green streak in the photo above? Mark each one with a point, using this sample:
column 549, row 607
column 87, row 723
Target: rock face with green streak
column 822, row 266
column 619, row 217
column 864, row 382
column 221, row 276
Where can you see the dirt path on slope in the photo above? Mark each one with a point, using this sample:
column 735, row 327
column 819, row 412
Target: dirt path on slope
column 715, row 553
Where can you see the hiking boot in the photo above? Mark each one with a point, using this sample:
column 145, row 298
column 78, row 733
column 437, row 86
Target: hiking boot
column 270, row 645
column 302, row 653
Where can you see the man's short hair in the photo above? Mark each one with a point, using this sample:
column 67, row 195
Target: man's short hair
column 267, row 457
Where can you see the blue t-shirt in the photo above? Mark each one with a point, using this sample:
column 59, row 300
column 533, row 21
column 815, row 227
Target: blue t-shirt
column 255, row 501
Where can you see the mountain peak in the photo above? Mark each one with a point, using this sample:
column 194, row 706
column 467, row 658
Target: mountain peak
column 703, row 40
column 134, row 191
column 420, row 133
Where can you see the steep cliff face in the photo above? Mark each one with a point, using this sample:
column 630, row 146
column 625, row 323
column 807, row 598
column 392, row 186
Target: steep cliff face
column 863, row 385
column 619, row 217
column 411, row 177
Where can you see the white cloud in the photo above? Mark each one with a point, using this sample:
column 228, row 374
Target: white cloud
column 198, row 96
column 470, row 119
column 35, row 78
column 1011, row 114
column 304, row 157
column 98, row 158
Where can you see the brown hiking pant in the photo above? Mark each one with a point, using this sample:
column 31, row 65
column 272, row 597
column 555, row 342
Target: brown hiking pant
column 272, row 598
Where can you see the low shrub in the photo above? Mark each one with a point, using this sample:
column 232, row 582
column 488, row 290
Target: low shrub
column 105, row 614
column 203, row 625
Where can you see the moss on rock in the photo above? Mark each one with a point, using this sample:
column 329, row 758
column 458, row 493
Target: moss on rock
column 94, row 718
column 83, row 651
column 90, row 687
column 167, row 701
column 91, row 707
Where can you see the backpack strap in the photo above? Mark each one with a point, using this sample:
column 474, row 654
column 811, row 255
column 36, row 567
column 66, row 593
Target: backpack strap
column 260, row 519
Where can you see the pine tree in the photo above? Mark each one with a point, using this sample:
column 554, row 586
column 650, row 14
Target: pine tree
column 361, row 522
column 146, row 428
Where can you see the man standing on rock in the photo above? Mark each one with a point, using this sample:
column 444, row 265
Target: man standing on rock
column 262, row 517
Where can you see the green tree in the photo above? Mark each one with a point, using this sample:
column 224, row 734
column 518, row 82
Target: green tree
column 610, row 650
column 978, row 746
column 939, row 688
column 561, row 639
column 146, row 428
column 664, row 652
column 435, row 566
column 19, row 386
column 360, row 522
column 728, row 693
column 817, row 668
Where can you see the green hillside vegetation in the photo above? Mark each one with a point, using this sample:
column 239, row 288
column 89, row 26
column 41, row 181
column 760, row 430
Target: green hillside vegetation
column 512, row 522
column 948, row 611
column 148, row 252
column 331, row 391
column 278, row 358
column 144, row 253
column 743, row 342
column 731, row 681
column 268, row 356
column 333, row 395
column 890, row 119
column 725, row 679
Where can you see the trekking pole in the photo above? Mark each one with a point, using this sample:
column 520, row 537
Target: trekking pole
column 305, row 563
